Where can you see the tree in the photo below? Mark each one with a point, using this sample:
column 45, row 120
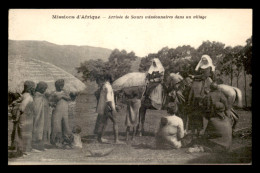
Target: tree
column 146, row 62
column 247, row 58
column 231, row 63
column 173, row 60
column 118, row 64
column 214, row 49
column 247, row 52
column 92, row 69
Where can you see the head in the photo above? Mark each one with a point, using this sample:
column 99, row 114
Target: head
column 73, row 95
column 213, row 86
column 135, row 94
column 154, row 63
column 108, row 78
column 204, row 59
column 47, row 95
column 29, row 87
column 99, row 80
column 174, row 80
column 59, row 84
column 41, row 87
column 164, row 122
column 172, row 108
column 205, row 62
column 76, row 129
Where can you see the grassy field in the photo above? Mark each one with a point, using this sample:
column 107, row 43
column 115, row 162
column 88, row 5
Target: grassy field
column 135, row 152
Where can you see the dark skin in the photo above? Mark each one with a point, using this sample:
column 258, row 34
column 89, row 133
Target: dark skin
column 65, row 97
column 128, row 128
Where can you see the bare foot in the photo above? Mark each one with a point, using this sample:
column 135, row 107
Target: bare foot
column 120, row 142
column 102, row 140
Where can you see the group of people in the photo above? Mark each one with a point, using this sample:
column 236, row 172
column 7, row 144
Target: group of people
column 41, row 119
column 210, row 112
column 211, row 120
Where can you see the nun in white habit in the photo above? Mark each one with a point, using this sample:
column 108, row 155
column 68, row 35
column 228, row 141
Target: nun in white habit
column 156, row 71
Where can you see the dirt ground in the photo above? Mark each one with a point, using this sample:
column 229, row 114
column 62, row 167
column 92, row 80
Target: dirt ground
column 138, row 151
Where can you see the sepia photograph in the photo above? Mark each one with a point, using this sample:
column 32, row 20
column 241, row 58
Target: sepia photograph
column 130, row 86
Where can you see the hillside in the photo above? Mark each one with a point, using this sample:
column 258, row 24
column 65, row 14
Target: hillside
column 66, row 57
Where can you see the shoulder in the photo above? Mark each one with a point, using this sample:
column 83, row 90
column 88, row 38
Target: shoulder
column 178, row 118
column 107, row 86
column 27, row 96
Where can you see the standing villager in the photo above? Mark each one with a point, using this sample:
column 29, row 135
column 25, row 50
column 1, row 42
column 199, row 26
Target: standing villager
column 99, row 82
column 13, row 108
column 60, row 116
column 40, row 135
column 219, row 128
column 107, row 109
column 218, row 133
column 132, row 115
column 171, row 129
column 200, row 87
column 24, row 119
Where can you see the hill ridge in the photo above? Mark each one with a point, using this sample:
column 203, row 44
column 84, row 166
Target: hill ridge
column 66, row 57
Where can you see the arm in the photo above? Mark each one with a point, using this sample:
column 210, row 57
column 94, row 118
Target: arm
column 65, row 96
column 21, row 109
column 203, row 74
column 180, row 133
column 24, row 103
column 223, row 100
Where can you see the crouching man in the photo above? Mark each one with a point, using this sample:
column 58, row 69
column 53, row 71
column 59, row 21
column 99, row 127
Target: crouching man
column 171, row 130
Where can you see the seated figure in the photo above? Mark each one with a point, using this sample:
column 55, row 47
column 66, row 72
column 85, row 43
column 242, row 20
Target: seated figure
column 171, row 130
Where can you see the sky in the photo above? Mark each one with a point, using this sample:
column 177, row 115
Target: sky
column 142, row 36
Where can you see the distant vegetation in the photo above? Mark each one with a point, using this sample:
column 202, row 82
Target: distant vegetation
column 233, row 64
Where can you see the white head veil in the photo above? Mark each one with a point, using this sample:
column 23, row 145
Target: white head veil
column 203, row 66
column 158, row 66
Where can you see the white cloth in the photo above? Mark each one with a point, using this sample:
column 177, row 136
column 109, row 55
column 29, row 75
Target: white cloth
column 26, row 99
column 158, row 66
column 76, row 141
column 156, row 96
column 106, row 95
column 203, row 66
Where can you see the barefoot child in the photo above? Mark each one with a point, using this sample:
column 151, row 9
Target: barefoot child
column 132, row 116
column 76, row 137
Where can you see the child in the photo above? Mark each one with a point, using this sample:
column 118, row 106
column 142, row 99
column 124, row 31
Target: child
column 76, row 137
column 132, row 116
column 73, row 140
